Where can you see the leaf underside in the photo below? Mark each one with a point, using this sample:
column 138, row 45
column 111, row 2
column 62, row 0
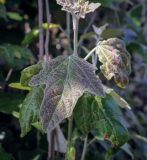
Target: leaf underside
column 66, row 79
column 115, row 60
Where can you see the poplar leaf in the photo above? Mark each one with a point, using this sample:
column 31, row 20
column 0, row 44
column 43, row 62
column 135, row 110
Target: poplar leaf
column 103, row 116
column 115, row 60
column 66, row 79
column 29, row 112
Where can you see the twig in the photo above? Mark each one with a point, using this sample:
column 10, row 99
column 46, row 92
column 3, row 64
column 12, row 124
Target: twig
column 87, row 28
column 47, row 31
column 70, row 123
column 41, row 35
column 90, row 53
column 68, row 32
column 75, row 29
column 84, row 148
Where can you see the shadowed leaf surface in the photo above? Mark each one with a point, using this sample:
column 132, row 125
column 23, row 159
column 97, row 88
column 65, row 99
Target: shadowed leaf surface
column 102, row 115
column 29, row 112
column 66, row 79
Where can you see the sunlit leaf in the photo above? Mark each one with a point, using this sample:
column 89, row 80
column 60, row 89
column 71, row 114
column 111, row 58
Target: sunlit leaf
column 66, row 79
column 115, row 60
column 29, row 112
column 14, row 16
column 19, row 86
column 34, row 34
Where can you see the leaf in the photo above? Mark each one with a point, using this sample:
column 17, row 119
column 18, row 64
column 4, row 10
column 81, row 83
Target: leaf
column 115, row 60
column 66, row 79
column 10, row 102
column 29, row 72
column 117, row 98
column 103, row 116
column 34, row 34
column 19, row 86
column 14, row 16
column 29, row 112
column 60, row 141
column 3, row 12
column 15, row 57
column 79, row 8
column 4, row 155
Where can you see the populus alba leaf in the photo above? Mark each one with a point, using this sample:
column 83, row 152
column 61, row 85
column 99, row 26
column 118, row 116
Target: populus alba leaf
column 66, row 79
column 102, row 115
column 115, row 60
column 29, row 112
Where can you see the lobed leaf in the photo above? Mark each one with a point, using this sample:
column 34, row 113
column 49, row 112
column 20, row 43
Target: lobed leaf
column 115, row 60
column 66, row 79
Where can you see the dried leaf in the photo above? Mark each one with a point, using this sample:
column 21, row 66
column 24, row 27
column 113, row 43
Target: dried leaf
column 66, row 79
column 115, row 60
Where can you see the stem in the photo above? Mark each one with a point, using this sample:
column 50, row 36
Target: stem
column 68, row 31
column 90, row 53
column 84, row 148
column 75, row 29
column 41, row 37
column 47, row 31
column 70, row 124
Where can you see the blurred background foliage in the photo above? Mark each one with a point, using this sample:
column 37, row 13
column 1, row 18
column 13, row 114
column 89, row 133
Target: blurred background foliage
column 126, row 19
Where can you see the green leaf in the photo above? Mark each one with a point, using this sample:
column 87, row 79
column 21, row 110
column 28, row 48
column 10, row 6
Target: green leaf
column 71, row 153
column 14, row 16
column 19, row 86
column 117, row 98
column 29, row 112
column 103, row 116
column 115, row 60
column 4, row 155
column 15, row 57
column 33, row 35
column 29, row 72
column 66, row 79
column 10, row 102
column 3, row 12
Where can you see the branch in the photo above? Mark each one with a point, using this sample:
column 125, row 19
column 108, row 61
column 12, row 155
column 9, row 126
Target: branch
column 41, row 35
column 48, row 15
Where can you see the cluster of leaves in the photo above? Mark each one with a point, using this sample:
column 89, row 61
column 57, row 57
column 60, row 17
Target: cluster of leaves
column 101, row 117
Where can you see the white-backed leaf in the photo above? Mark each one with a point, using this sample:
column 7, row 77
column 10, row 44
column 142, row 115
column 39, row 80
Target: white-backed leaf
column 66, row 79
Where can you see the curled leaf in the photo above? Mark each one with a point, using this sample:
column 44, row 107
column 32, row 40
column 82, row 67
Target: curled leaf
column 66, row 79
column 115, row 60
